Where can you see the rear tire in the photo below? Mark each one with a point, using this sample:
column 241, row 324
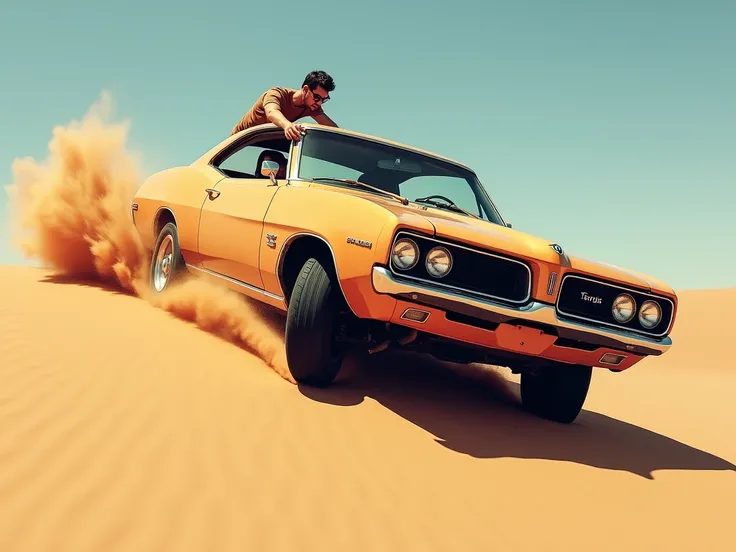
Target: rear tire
column 556, row 393
column 313, row 356
column 167, row 262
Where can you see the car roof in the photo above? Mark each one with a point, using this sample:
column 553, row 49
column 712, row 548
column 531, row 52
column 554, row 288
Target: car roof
column 205, row 158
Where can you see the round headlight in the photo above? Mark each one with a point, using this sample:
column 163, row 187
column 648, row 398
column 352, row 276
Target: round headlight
column 439, row 262
column 650, row 314
column 405, row 254
column 624, row 308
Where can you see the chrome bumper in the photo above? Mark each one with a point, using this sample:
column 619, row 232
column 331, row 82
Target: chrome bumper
column 384, row 282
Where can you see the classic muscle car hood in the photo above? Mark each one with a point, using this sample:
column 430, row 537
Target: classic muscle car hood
column 514, row 242
column 481, row 233
column 624, row 275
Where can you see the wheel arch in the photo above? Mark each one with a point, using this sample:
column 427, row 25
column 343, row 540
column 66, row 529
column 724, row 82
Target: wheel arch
column 295, row 252
column 163, row 216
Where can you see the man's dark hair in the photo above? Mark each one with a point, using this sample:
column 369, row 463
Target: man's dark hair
column 319, row 78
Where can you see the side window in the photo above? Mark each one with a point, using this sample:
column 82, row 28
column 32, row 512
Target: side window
column 244, row 162
column 454, row 188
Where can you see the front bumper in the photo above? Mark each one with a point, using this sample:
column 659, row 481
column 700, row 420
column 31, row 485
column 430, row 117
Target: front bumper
column 536, row 313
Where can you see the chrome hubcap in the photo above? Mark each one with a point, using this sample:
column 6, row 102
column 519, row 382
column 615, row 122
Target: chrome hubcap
column 162, row 268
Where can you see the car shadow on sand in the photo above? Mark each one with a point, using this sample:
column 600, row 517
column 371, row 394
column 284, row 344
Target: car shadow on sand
column 475, row 411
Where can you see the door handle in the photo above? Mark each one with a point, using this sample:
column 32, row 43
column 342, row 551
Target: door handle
column 212, row 193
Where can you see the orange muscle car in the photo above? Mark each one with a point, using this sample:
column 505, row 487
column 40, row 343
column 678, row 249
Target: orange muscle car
column 363, row 242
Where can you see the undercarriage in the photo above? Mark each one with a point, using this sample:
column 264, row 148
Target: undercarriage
column 374, row 337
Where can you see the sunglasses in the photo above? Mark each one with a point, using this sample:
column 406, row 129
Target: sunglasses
column 318, row 98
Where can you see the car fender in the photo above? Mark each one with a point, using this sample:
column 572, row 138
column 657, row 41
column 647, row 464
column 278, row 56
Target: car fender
column 357, row 232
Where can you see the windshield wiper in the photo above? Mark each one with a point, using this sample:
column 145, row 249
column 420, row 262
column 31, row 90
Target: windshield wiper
column 357, row 184
column 450, row 205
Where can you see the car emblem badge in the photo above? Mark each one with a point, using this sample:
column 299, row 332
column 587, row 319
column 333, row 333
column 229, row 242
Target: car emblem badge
column 557, row 248
column 271, row 240
column 584, row 296
column 360, row 243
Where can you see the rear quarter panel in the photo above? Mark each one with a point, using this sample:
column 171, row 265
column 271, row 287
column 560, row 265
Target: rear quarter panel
column 182, row 191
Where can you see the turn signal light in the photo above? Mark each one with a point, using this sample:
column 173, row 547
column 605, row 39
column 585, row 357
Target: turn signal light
column 612, row 359
column 415, row 315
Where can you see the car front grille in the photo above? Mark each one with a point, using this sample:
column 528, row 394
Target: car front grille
column 475, row 271
column 591, row 300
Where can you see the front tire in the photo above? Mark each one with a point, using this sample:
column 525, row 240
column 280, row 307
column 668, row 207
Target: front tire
column 167, row 262
column 556, row 393
column 313, row 356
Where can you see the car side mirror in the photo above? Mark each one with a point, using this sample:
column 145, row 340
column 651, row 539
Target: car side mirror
column 270, row 169
column 508, row 225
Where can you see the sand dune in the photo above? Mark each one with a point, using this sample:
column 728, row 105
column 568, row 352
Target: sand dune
column 138, row 423
column 125, row 428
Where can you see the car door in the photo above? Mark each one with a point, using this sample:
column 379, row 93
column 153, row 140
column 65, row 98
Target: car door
column 231, row 219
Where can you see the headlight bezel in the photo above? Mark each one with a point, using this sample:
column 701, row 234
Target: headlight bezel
column 633, row 309
column 415, row 248
column 427, row 261
column 644, row 306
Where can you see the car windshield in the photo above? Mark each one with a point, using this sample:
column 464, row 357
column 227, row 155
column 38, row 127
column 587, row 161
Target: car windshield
column 421, row 179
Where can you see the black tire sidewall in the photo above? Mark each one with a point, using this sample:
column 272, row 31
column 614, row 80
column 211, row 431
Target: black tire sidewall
column 309, row 337
column 556, row 393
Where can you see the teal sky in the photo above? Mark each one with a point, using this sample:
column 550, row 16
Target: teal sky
column 609, row 127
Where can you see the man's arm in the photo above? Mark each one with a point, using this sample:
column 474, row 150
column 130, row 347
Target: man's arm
column 273, row 113
column 323, row 119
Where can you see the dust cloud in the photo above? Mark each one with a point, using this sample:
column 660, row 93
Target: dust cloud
column 71, row 213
